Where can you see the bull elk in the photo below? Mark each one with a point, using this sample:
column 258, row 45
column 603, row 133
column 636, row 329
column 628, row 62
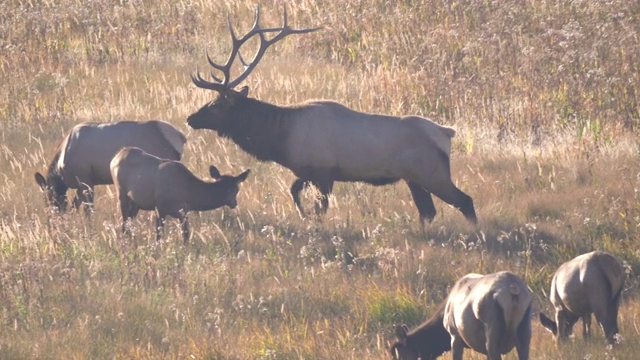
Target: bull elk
column 322, row 142
column 147, row 182
column 589, row 283
column 82, row 159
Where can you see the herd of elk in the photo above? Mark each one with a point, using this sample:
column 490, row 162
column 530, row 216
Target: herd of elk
column 492, row 313
column 323, row 142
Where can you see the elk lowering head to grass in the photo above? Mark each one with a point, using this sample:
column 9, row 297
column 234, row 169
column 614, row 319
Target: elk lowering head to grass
column 147, row 182
column 427, row 341
column 589, row 283
column 83, row 157
column 322, row 142
column 490, row 314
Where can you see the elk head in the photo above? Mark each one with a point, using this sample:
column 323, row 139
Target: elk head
column 213, row 114
column 230, row 183
column 55, row 190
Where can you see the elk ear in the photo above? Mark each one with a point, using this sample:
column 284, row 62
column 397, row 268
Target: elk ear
column 42, row 182
column 401, row 333
column 244, row 91
column 548, row 324
column 214, row 172
column 232, row 95
column 242, row 177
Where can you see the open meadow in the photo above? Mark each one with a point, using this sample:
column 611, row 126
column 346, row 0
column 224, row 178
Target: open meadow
column 545, row 99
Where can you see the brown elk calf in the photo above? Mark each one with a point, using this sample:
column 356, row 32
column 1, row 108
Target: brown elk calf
column 147, row 182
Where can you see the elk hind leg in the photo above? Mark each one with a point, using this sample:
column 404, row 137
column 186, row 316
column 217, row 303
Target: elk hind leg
column 495, row 331
column 608, row 320
column 436, row 179
column 423, row 201
column 129, row 211
column 523, row 338
column 457, row 346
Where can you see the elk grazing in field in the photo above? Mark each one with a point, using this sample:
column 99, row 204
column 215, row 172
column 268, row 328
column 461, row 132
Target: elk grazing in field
column 490, row 314
column 147, row 182
column 589, row 283
column 322, row 142
column 427, row 341
column 82, row 158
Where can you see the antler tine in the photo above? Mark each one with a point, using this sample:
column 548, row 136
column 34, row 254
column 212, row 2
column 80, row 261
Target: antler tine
column 214, row 77
column 204, row 84
column 223, row 68
column 283, row 31
column 231, row 30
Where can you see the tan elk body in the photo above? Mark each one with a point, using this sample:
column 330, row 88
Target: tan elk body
column 589, row 283
column 490, row 314
column 322, row 142
column 83, row 157
column 147, row 182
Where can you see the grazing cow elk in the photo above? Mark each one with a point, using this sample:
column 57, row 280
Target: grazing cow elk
column 487, row 313
column 427, row 341
column 83, row 157
column 589, row 283
column 322, row 142
column 147, row 182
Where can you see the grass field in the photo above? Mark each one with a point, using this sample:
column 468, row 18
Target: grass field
column 544, row 96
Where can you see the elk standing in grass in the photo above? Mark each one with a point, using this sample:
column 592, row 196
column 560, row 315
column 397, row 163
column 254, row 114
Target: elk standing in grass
column 83, row 157
column 322, row 142
column 147, row 182
column 589, row 283
column 490, row 314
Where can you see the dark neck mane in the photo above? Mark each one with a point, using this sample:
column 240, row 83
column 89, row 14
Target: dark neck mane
column 259, row 128
column 431, row 338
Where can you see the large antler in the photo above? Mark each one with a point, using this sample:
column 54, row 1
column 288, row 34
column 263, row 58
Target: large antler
column 226, row 82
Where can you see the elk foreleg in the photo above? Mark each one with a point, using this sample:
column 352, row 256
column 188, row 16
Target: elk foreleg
column 184, row 224
column 322, row 203
column 296, row 188
column 129, row 210
column 586, row 326
column 159, row 225
column 84, row 197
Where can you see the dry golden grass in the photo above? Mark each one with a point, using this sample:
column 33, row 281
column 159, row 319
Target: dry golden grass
column 544, row 96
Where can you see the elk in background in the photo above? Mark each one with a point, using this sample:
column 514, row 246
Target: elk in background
column 589, row 283
column 82, row 159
